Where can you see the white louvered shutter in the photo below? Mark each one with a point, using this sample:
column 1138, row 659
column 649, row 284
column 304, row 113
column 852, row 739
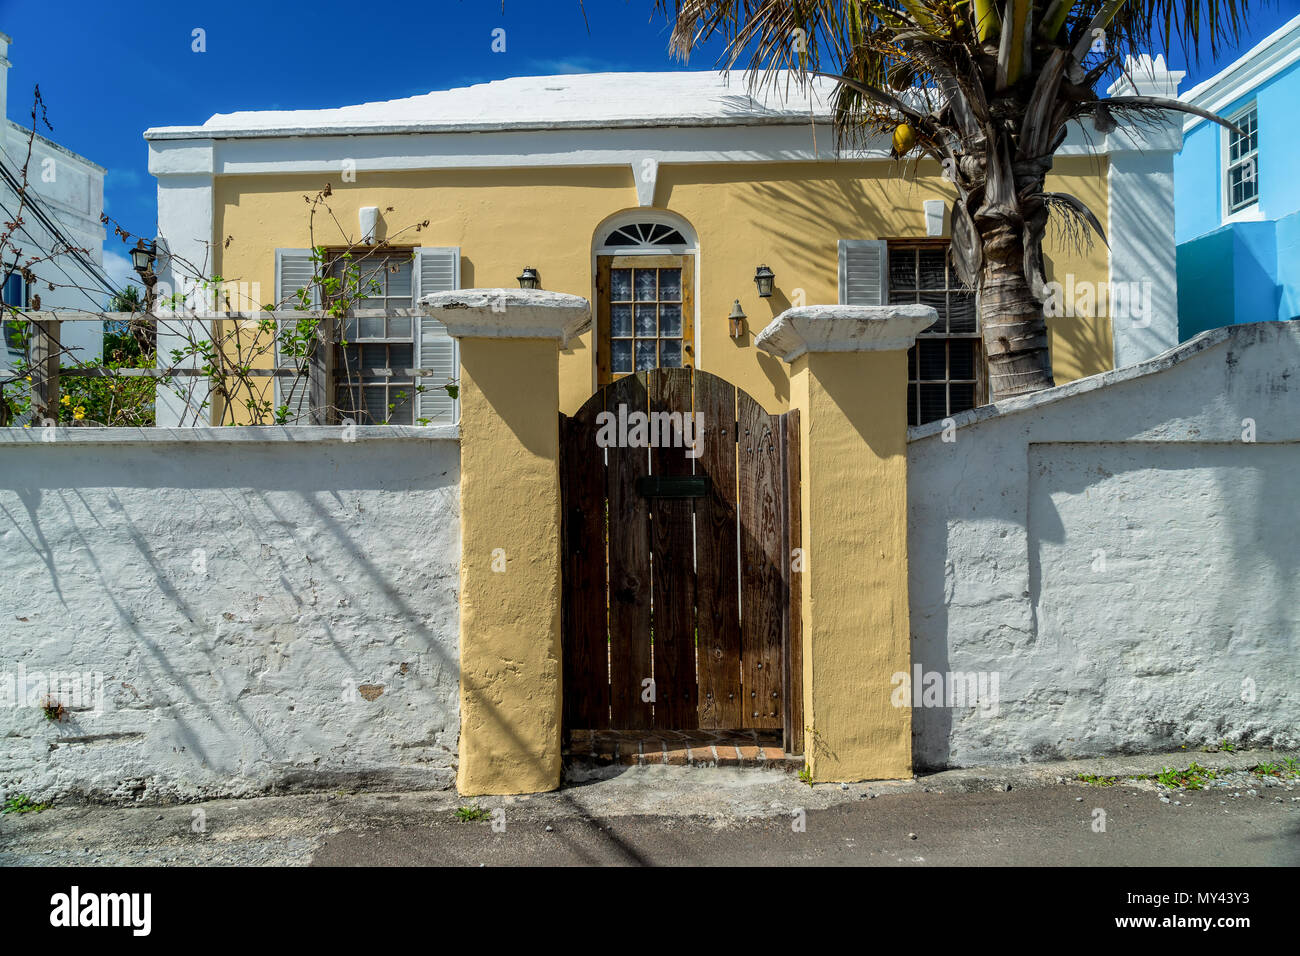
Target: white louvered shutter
column 437, row 269
column 862, row 271
column 293, row 272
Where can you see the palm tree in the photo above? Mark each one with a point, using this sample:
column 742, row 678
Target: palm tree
column 989, row 90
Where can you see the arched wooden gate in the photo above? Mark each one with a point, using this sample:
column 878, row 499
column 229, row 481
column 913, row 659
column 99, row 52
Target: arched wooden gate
column 680, row 578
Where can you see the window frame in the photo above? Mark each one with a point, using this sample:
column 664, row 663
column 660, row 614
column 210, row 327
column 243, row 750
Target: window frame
column 605, row 264
column 1250, row 208
column 345, row 379
column 980, row 380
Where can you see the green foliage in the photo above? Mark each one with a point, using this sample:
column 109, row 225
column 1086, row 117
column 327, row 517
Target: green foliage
column 1097, row 780
column 471, row 813
column 1194, row 777
column 23, row 804
column 805, row 775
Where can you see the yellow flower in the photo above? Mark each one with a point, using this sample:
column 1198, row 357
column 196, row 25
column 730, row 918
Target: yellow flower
column 66, row 400
column 79, row 413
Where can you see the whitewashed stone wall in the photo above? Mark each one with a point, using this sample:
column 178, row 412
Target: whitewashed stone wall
column 262, row 608
column 1121, row 554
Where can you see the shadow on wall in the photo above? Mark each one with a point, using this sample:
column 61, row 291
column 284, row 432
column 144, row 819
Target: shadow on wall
column 1120, row 557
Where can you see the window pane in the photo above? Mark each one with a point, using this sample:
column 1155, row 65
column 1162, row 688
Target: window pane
column 349, row 400
column 399, row 326
column 670, row 353
column 350, row 329
column 932, row 359
column 620, row 285
column 934, row 269
column 961, row 312
column 902, row 269
column 399, row 278
column 401, row 357
column 939, row 302
column 961, row 358
column 670, row 320
column 620, row 320
column 962, row 396
column 374, row 356
column 376, row 410
column 645, row 355
column 913, row 408
column 933, row 402
column 645, row 320
column 670, row 285
column 621, row 356
column 646, row 286
column 903, row 297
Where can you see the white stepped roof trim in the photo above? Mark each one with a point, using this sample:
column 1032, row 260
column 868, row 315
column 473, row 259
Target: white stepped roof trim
column 568, row 101
column 1277, row 51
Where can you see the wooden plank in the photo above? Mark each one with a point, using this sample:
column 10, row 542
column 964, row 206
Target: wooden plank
column 718, row 600
column 762, row 553
column 46, row 350
column 673, row 558
column 320, row 374
column 688, row 311
column 792, row 671
column 629, row 568
column 585, row 620
column 603, row 364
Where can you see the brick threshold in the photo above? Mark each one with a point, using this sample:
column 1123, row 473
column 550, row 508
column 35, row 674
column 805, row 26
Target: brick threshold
column 694, row 748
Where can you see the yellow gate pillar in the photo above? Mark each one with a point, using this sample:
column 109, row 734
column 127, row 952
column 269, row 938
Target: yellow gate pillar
column 510, row 692
column 848, row 378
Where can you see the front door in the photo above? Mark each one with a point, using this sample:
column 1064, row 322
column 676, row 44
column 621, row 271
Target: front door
column 680, row 597
column 645, row 314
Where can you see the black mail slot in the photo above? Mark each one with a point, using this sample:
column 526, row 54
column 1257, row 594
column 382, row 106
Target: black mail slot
column 672, row 486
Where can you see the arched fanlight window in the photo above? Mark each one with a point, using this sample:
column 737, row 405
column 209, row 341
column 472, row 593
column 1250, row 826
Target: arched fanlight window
column 645, row 234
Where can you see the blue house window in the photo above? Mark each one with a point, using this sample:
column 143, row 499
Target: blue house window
column 13, row 291
column 1243, row 163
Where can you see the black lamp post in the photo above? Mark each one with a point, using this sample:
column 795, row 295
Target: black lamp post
column 763, row 278
column 529, row 279
column 142, row 260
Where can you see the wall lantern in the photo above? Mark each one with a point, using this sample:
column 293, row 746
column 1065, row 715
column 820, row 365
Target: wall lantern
column 763, row 278
column 142, row 257
column 529, row 279
column 737, row 320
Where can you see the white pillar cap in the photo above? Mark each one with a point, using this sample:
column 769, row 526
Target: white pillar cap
column 844, row 328
column 509, row 313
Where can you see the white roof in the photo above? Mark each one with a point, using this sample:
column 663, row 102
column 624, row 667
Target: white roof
column 590, row 100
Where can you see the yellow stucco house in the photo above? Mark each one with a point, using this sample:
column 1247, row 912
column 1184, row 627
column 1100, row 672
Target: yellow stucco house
column 657, row 196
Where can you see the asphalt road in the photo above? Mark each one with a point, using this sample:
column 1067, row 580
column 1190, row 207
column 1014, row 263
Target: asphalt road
column 1042, row 826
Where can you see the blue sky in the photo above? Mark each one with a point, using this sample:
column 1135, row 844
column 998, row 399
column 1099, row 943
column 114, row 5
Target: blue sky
column 121, row 68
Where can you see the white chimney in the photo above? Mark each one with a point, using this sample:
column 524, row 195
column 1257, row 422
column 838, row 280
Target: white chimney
column 5, row 40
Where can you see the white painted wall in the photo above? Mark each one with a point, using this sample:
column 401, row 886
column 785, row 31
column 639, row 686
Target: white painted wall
column 325, row 565
column 1189, row 631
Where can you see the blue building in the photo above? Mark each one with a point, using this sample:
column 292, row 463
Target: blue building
column 1237, row 195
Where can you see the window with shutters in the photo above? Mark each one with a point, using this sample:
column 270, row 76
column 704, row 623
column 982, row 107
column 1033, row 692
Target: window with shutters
column 374, row 362
column 945, row 368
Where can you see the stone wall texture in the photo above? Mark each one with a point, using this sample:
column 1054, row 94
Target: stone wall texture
column 1123, row 552
column 252, row 609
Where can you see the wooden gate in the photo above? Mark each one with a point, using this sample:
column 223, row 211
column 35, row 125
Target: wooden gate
column 680, row 595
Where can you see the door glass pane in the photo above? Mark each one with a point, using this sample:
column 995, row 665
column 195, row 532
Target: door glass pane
column 670, row 353
column 670, row 320
column 620, row 285
column 645, row 320
column 645, row 355
column 621, row 356
column 670, row 285
column 620, row 321
column 646, row 286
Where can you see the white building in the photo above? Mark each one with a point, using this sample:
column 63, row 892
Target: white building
column 65, row 198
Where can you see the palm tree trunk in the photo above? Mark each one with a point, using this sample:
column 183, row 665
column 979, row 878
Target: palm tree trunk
column 1014, row 329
